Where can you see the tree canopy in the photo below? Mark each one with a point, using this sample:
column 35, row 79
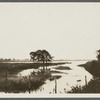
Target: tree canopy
column 41, row 55
column 98, row 55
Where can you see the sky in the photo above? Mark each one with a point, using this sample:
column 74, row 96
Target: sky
column 66, row 30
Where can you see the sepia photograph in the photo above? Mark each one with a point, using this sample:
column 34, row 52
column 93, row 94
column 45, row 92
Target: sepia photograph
column 49, row 49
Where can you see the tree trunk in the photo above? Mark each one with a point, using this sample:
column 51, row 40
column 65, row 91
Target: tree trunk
column 43, row 65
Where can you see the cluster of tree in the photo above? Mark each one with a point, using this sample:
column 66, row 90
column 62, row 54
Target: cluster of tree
column 41, row 56
column 13, row 60
column 98, row 55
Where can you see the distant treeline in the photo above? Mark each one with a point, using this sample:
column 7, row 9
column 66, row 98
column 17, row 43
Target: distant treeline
column 13, row 60
column 27, row 60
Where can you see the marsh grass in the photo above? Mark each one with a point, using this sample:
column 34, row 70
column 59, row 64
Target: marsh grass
column 63, row 68
column 14, row 68
column 92, row 87
column 14, row 84
column 11, row 83
column 92, row 67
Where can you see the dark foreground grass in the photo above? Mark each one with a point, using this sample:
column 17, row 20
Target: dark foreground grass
column 92, row 87
column 24, row 84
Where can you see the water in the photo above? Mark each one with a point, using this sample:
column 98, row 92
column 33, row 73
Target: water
column 64, row 84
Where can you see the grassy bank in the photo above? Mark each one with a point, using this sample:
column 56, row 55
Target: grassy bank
column 16, row 84
column 93, row 67
column 92, row 87
column 63, row 68
column 14, row 68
